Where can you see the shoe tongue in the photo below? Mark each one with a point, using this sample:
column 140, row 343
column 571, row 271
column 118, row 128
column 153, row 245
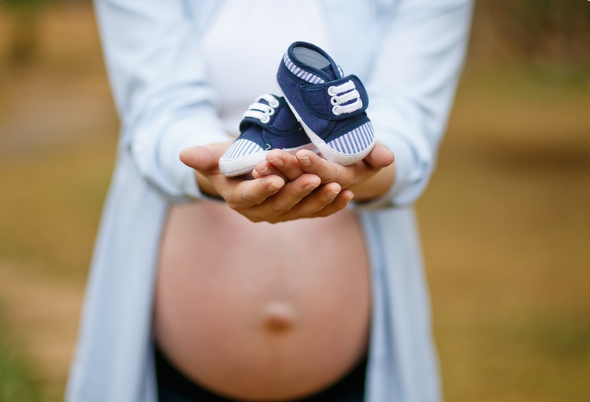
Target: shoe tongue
column 264, row 102
column 284, row 120
column 334, row 75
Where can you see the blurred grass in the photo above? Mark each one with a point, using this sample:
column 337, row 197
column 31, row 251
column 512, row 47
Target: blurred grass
column 58, row 134
column 505, row 221
column 16, row 383
column 55, row 203
column 506, row 229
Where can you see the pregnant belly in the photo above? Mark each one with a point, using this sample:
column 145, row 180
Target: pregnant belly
column 259, row 311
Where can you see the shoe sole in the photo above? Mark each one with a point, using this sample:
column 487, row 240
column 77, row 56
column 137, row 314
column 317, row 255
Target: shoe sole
column 329, row 153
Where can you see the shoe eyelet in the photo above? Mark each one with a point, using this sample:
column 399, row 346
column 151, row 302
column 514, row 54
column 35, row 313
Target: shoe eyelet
column 275, row 103
column 265, row 119
column 331, row 91
column 270, row 111
column 333, row 101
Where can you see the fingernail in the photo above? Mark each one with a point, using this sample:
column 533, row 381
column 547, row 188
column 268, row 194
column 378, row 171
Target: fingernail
column 310, row 186
column 273, row 187
column 332, row 195
column 304, row 160
column 263, row 170
column 278, row 162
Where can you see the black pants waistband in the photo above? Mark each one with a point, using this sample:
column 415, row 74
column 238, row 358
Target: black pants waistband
column 173, row 386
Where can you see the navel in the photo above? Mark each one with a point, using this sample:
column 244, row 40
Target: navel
column 279, row 317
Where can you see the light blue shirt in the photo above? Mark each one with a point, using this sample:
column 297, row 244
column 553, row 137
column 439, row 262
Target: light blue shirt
column 409, row 54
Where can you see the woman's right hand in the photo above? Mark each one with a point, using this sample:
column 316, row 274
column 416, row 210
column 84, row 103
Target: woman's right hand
column 367, row 179
column 269, row 198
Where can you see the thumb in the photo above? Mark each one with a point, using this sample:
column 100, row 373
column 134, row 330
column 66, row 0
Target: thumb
column 380, row 156
column 203, row 158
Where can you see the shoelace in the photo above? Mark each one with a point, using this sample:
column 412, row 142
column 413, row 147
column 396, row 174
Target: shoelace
column 342, row 94
column 262, row 111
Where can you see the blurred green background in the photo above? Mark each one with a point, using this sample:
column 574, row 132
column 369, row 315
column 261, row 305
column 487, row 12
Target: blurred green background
column 505, row 220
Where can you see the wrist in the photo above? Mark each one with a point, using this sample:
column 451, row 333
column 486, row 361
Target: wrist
column 206, row 186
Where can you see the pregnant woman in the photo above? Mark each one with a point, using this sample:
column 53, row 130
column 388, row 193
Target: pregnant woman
column 279, row 287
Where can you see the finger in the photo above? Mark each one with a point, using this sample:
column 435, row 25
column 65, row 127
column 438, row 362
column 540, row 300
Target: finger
column 286, row 163
column 380, row 157
column 313, row 203
column 339, row 203
column 204, row 158
column 290, row 195
column 264, row 168
column 248, row 193
column 326, row 170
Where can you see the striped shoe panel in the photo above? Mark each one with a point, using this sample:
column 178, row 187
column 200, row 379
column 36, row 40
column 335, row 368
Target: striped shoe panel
column 355, row 141
column 304, row 75
column 241, row 148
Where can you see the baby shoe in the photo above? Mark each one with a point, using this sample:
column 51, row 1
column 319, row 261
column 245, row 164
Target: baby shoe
column 267, row 124
column 330, row 106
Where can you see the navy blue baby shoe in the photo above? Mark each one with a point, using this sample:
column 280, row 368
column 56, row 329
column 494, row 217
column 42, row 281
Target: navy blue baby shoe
column 267, row 124
column 330, row 106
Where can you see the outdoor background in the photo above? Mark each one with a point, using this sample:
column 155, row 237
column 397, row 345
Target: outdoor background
column 505, row 220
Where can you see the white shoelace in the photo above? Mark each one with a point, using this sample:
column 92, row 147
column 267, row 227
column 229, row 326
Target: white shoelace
column 262, row 111
column 342, row 94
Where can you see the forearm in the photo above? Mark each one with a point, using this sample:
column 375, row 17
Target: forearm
column 411, row 87
column 160, row 85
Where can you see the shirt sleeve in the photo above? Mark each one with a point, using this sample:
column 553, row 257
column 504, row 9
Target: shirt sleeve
column 158, row 79
column 412, row 86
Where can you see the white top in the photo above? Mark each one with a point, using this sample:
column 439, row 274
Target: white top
column 407, row 52
column 237, row 84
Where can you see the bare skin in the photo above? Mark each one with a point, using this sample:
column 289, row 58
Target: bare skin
column 272, row 199
column 257, row 311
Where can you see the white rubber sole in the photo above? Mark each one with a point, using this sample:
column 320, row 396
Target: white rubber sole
column 240, row 166
column 245, row 164
column 327, row 152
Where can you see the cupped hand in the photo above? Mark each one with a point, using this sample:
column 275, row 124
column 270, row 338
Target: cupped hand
column 267, row 198
column 367, row 179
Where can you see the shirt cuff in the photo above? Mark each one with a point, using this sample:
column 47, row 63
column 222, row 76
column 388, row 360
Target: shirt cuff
column 405, row 174
column 186, row 133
